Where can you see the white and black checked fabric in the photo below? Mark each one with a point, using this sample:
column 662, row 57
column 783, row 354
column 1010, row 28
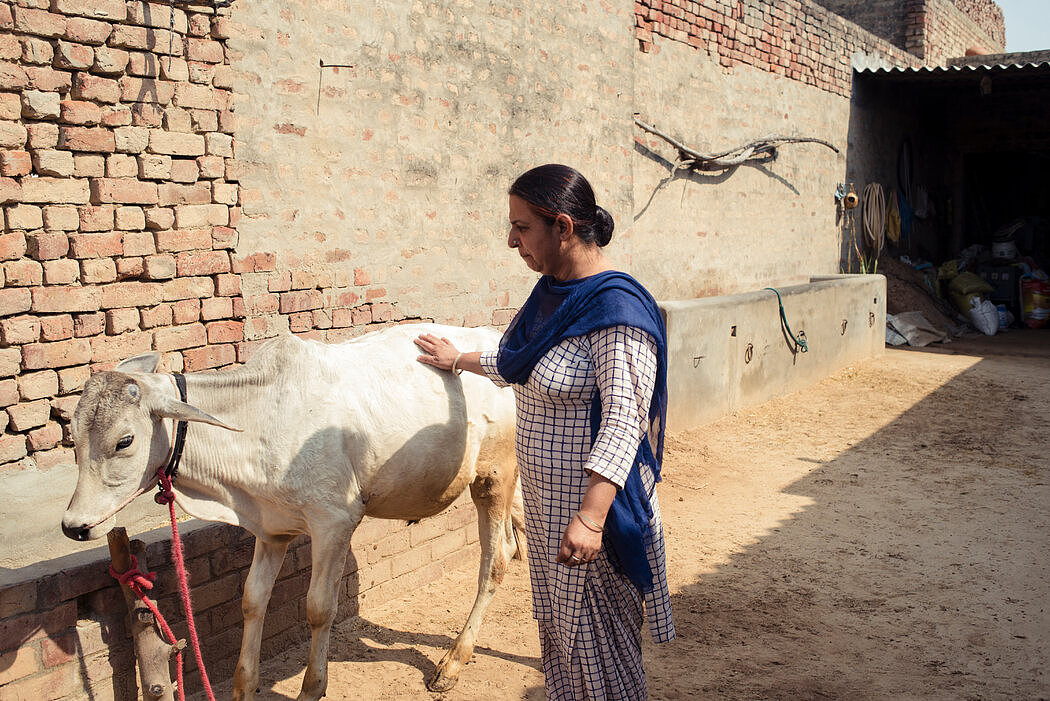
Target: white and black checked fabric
column 590, row 616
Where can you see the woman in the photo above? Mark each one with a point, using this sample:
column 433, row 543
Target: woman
column 586, row 356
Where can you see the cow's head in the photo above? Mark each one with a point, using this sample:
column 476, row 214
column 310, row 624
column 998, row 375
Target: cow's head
column 120, row 440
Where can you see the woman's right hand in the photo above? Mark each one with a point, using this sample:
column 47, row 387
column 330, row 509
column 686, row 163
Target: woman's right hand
column 439, row 351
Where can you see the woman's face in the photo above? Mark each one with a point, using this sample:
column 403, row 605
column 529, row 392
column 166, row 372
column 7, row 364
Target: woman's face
column 535, row 238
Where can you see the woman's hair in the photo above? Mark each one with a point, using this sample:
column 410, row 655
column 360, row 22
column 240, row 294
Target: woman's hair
column 555, row 189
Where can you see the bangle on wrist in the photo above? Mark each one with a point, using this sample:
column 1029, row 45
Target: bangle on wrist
column 455, row 370
column 589, row 524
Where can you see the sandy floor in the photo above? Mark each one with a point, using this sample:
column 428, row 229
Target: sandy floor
column 884, row 534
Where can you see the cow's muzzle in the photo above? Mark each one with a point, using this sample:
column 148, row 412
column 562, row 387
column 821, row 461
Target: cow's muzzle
column 82, row 532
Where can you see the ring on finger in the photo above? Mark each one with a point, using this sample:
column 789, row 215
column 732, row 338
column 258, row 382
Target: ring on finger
column 575, row 558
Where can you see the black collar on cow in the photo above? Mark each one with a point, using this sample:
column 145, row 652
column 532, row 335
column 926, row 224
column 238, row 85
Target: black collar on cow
column 172, row 468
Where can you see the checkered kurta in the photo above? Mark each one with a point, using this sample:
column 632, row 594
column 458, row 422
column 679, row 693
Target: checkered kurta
column 590, row 616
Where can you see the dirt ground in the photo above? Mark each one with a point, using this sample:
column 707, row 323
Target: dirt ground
column 882, row 535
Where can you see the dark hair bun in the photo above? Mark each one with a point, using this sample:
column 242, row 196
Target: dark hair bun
column 603, row 226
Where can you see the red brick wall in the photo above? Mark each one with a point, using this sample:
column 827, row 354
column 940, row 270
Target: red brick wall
column 800, row 39
column 63, row 636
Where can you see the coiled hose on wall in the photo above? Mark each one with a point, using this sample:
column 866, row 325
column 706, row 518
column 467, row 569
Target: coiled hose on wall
column 873, row 204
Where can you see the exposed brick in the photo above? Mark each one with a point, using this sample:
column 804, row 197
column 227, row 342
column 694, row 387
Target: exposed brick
column 15, row 163
column 177, row 240
column 55, row 190
column 255, row 263
column 48, row 162
column 111, row 61
column 143, row 38
column 95, row 245
column 227, row 285
column 56, row 300
column 12, row 135
column 161, row 315
column 12, row 76
column 179, row 337
column 10, row 190
column 115, row 116
column 70, row 56
column 10, row 105
column 115, row 10
column 97, row 139
column 186, row 288
column 37, row 385
column 39, row 22
column 13, row 245
column 130, row 294
column 37, row 104
column 206, row 50
column 159, row 218
column 94, row 271
column 175, row 70
column 96, row 218
column 120, row 320
column 24, row 216
column 185, row 170
column 87, row 31
column 216, row 308
column 204, row 121
column 89, row 324
column 80, row 112
column 211, row 167
column 10, row 361
column 23, row 273
column 133, row 139
column 19, row 330
column 91, row 87
column 72, row 379
column 89, row 165
column 36, row 356
column 37, row 51
column 130, row 268
column 298, row 301
column 9, row 396
column 56, row 327
column 106, row 349
column 157, row 167
column 134, row 89
column 121, row 165
column 130, row 218
column 171, row 194
column 61, row 272
column 123, row 190
column 160, row 267
column 13, row 447
column 176, row 144
column 209, row 357
column 203, row 263
column 49, row 79
column 44, row 438
column 138, row 243
column 41, row 135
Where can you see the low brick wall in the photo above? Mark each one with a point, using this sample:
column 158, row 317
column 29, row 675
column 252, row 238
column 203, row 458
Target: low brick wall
column 63, row 635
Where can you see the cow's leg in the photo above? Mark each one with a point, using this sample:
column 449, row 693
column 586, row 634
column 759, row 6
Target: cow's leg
column 257, row 587
column 330, row 541
column 493, row 495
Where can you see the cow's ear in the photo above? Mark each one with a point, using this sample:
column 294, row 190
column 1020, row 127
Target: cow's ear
column 147, row 362
column 180, row 411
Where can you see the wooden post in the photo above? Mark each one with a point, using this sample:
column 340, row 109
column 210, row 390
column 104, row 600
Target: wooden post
column 151, row 650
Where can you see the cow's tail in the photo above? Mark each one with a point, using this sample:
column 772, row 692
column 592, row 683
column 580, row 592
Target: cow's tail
column 517, row 523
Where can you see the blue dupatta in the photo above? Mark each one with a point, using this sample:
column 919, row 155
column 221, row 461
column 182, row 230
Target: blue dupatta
column 559, row 310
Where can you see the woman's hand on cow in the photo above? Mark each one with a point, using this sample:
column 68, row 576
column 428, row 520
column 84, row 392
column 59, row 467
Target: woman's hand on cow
column 579, row 544
column 439, row 351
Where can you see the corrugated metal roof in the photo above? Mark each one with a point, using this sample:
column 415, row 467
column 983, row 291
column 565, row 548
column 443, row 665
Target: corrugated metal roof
column 1021, row 65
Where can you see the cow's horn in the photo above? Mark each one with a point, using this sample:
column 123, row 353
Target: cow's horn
column 181, row 411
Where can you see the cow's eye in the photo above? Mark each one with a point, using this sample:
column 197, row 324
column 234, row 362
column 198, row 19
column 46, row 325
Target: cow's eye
column 125, row 442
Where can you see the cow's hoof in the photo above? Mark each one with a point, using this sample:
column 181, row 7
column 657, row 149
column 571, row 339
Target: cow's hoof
column 441, row 682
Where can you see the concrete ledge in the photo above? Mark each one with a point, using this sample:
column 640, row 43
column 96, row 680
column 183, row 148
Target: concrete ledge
column 729, row 352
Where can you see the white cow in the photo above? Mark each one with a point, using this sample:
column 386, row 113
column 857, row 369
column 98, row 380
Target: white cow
column 325, row 435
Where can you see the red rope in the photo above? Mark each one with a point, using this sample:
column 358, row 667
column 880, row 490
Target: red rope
column 139, row 582
column 167, row 496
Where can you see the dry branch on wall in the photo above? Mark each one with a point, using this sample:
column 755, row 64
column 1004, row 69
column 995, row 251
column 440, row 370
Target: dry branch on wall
column 759, row 150
column 151, row 650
